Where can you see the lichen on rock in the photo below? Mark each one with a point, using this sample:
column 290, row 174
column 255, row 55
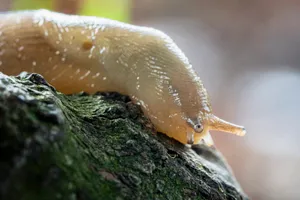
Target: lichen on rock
column 100, row 146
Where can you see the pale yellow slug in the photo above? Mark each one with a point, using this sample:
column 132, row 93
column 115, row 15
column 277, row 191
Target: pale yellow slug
column 79, row 53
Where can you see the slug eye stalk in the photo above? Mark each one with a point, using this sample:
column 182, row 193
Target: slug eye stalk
column 217, row 124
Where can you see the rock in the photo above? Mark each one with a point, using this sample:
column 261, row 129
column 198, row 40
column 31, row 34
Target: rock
column 56, row 146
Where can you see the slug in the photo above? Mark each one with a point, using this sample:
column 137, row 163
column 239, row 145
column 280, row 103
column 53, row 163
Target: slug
column 80, row 53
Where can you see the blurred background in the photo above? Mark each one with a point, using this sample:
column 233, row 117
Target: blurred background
column 248, row 55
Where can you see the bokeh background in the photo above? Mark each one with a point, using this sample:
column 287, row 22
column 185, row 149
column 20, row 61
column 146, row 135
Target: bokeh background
column 248, row 55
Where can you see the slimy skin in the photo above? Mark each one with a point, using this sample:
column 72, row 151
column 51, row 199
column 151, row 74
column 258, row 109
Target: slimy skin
column 78, row 53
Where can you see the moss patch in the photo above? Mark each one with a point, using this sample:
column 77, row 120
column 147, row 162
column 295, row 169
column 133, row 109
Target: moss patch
column 97, row 146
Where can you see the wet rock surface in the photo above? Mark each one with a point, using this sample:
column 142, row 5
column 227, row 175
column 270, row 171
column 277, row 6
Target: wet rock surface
column 56, row 146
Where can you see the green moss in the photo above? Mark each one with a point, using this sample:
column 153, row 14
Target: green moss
column 97, row 147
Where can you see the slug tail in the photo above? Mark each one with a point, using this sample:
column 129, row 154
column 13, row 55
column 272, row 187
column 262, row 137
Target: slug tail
column 218, row 124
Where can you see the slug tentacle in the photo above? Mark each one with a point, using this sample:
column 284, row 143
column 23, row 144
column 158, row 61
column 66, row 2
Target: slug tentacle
column 208, row 139
column 218, row 124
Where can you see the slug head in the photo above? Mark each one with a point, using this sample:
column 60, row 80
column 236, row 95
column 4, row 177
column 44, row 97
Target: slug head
column 203, row 124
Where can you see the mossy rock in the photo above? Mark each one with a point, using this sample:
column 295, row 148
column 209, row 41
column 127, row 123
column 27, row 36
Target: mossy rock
column 56, row 146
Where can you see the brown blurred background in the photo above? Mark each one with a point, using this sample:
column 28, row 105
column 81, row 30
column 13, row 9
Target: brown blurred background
column 248, row 55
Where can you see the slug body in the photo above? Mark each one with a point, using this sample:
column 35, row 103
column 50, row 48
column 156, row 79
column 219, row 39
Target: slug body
column 77, row 53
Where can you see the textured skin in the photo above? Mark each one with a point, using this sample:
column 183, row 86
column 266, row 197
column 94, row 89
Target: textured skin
column 76, row 53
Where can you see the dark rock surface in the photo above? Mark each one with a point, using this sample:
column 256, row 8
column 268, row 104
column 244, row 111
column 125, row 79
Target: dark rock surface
column 56, row 146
